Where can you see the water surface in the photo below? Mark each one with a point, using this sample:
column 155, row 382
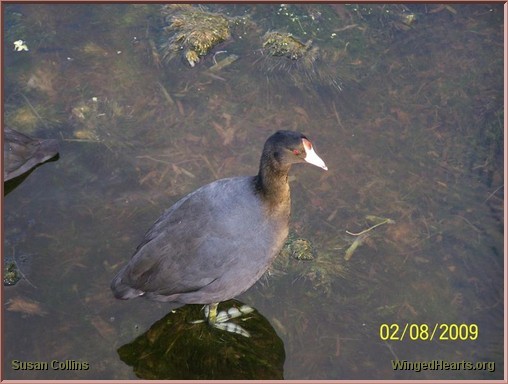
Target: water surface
column 415, row 135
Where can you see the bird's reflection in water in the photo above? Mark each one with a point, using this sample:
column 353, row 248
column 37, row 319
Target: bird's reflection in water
column 175, row 348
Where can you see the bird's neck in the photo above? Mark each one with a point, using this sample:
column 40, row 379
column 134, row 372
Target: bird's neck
column 272, row 185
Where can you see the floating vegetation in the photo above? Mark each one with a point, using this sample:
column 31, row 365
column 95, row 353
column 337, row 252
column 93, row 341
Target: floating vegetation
column 285, row 55
column 193, row 31
column 285, row 44
column 299, row 258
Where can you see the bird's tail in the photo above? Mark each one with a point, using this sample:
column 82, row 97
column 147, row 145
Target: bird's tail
column 123, row 291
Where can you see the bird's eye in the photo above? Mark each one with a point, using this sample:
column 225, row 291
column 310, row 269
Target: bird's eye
column 296, row 152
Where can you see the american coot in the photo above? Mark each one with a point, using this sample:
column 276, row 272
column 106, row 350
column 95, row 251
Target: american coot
column 22, row 153
column 217, row 241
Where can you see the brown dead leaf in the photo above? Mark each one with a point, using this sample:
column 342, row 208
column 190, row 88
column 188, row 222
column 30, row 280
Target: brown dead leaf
column 150, row 175
column 26, row 306
column 227, row 117
column 193, row 138
column 181, row 109
column 402, row 117
column 227, row 134
column 179, row 170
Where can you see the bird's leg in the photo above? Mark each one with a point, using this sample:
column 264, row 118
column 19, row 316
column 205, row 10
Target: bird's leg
column 211, row 313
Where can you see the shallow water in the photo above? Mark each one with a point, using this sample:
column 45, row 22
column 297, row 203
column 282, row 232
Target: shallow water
column 415, row 135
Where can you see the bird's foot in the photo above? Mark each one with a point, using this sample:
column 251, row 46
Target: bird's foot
column 220, row 320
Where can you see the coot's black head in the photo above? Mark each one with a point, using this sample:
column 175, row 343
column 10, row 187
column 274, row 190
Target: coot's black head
column 284, row 148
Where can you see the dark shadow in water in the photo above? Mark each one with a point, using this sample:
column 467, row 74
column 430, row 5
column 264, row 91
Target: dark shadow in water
column 174, row 348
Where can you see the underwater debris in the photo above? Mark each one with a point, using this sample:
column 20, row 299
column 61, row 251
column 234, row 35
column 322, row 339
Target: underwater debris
column 361, row 236
column 220, row 65
column 193, row 31
column 352, row 248
column 378, row 220
column 20, row 45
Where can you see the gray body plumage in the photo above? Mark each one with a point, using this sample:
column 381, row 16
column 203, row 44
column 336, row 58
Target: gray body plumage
column 221, row 233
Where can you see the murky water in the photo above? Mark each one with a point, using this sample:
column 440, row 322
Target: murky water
column 415, row 136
